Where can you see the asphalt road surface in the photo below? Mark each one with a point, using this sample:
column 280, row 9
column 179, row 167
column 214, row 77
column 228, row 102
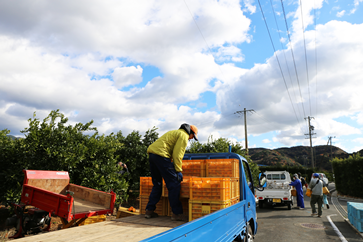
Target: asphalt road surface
column 280, row 224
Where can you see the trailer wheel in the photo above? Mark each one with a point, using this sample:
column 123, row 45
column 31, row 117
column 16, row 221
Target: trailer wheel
column 260, row 203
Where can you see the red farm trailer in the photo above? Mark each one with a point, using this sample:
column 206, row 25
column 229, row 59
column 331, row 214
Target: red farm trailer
column 49, row 193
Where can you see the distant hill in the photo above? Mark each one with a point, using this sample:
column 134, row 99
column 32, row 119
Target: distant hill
column 297, row 155
column 12, row 136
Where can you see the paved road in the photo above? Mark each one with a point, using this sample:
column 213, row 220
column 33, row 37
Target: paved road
column 280, row 224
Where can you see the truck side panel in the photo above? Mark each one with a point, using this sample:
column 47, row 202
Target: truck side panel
column 223, row 225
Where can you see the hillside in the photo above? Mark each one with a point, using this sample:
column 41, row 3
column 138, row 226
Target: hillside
column 297, row 155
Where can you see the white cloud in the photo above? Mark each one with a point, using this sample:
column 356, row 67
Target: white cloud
column 356, row 4
column 266, row 141
column 249, row 7
column 126, row 76
column 340, row 14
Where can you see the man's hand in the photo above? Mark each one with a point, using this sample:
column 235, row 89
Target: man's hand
column 179, row 175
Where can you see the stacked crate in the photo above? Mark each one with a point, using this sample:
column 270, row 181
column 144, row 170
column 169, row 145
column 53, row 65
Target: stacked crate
column 355, row 215
column 191, row 168
column 207, row 186
column 218, row 190
column 146, row 186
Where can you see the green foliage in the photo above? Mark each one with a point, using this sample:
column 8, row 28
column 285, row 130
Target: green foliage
column 133, row 154
column 222, row 145
column 348, row 174
column 53, row 145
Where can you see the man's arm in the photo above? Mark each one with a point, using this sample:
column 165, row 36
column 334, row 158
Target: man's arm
column 179, row 151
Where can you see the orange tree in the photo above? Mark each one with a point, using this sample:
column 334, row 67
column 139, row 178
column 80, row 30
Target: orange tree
column 51, row 144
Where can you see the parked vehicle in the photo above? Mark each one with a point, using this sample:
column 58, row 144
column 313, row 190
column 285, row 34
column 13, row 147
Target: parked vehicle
column 276, row 191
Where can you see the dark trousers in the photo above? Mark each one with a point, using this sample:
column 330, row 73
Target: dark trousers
column 316, row 199
column 162, row 167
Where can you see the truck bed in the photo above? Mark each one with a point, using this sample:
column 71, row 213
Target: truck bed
column 133, row 228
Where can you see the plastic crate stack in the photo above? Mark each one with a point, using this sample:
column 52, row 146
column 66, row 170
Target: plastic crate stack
column 355, row 215
column 217, row 190
column 146, row 186
column 207, row 186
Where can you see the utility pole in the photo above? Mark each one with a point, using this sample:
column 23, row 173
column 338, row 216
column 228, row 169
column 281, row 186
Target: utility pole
column 311, row 132
column 331, row 151
column 331, row 148
column 245, row 118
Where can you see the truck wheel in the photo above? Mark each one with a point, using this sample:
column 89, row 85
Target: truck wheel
column 249, row 237
column 289, row 206
column 260, row 203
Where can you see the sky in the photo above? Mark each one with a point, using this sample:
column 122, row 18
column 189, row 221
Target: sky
column 135, row 65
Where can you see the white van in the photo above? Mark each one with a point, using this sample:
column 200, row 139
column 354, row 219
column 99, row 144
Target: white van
column 276, row 190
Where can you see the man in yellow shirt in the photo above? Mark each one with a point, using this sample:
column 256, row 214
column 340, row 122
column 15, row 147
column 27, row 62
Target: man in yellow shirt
column 165, row 158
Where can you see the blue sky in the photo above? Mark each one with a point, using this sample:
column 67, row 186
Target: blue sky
column 132, row 66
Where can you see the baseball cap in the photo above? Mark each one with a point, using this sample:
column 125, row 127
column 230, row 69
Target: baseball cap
column 316, row 175
column 195, row 131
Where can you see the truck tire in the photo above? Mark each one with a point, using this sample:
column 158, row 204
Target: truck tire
column 249, row 237
column 260, row 203
column 289, row 206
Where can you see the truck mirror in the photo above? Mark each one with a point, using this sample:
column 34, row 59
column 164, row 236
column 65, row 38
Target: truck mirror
column 262, row 180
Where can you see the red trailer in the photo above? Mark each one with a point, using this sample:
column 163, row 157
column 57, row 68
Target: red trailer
column 51, row 194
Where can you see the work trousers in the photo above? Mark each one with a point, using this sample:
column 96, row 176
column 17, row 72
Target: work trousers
column 160, row 168
column 316, row 199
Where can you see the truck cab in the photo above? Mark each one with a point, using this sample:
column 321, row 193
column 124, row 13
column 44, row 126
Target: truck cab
column 277, row 190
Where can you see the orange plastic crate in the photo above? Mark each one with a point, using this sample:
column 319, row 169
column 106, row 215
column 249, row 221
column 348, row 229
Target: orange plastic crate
column 234, row 201
column 185, row 204
column 210, row 189
column 235, row 188
column 222, row 168
column 193, row 168
column 161, row 206
column 184, row 190
column 146, row 186
column 198, row 209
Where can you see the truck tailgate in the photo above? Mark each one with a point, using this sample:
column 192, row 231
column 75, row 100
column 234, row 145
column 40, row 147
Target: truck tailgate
column 133, row 228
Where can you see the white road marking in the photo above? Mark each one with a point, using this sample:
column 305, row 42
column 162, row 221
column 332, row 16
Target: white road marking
column 341, row 237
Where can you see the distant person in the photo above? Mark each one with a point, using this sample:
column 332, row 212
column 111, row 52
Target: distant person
column 299, row 191
column 316, row 186
column 165, row 158
column 302, row 179
column 123, row 167
column 325, row 196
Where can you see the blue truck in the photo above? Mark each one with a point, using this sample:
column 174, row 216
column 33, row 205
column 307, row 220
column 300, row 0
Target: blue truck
column 237, row 222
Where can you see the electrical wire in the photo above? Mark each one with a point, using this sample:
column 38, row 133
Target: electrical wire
column 306, row 59
column 293, row 58
column 316, row 67
column 282, row 47
column 195, row 22
column 282, row 74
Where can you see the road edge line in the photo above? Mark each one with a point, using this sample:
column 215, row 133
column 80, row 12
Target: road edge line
column 340, row 235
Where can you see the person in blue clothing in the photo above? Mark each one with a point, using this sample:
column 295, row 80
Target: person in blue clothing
column 299, row 191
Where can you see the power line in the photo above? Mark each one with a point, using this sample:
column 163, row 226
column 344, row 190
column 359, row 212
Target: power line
column 282, row 74
column 195, row 22
column 316, row 67
column 282, row 47
column 306, row 59
column 293, row 58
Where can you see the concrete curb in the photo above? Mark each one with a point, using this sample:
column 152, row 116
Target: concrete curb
column 351, row 225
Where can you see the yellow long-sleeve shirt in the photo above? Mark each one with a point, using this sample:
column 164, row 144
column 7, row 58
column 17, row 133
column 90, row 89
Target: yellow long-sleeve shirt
column 171, row 145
